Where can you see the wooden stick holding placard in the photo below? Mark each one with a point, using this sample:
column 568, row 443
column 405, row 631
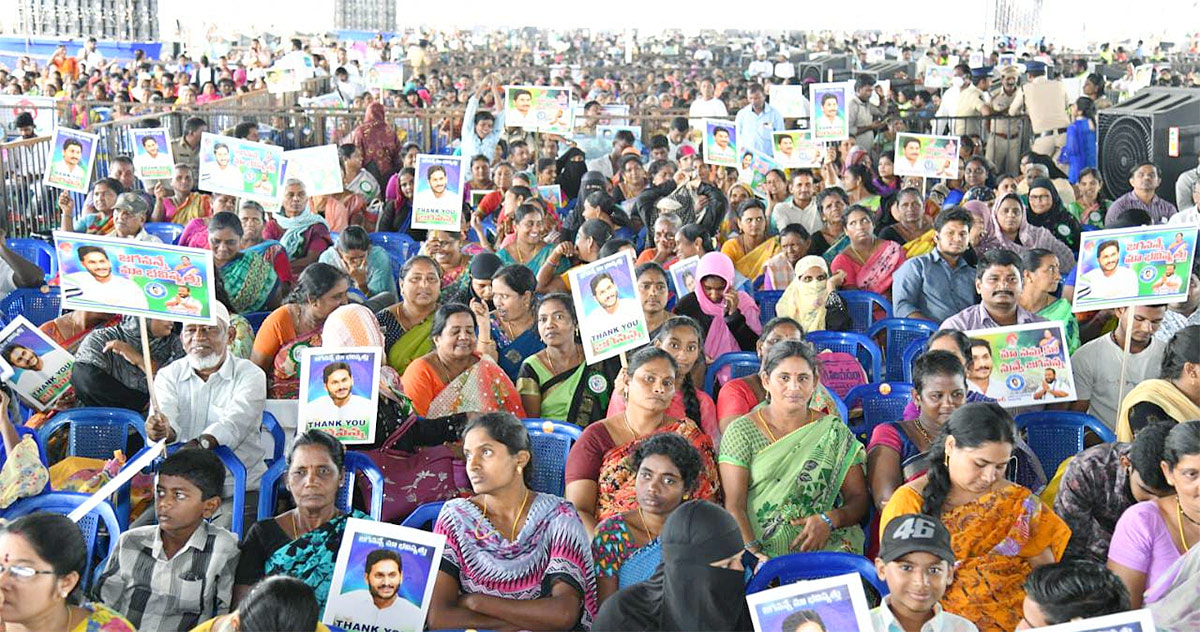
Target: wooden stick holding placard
column 148, row 365
column 1125, row 356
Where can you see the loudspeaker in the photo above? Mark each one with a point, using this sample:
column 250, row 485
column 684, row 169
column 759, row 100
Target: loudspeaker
column 889, row 70
column 816, row 70
column 1140, row 130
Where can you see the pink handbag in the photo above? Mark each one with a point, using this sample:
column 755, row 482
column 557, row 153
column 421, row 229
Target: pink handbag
column 412, row 479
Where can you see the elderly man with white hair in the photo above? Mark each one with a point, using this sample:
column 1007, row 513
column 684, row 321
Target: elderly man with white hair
column 303, row 233
column 211, row 398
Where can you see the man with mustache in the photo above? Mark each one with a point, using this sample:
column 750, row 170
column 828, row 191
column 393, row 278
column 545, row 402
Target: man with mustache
column 998, row 282
column 380, row 604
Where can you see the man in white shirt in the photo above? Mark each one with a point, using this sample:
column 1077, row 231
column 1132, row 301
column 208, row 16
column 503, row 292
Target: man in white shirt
column 1188, row 216
column 980, row 376
column 69, row 172
column 380, row 605
column 760, row 68
column 36, row 376
column 784, row 69
column 224, row 176
column 97, row 283
column 340, row 403
column 707, row 105
column 801, row 208
column 1097, row 364
column 184, row 302
column 211, row 398
column 90, row 56
column 1111, row 280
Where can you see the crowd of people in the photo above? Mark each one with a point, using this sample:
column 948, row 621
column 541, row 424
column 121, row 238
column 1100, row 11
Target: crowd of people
column 479, row 329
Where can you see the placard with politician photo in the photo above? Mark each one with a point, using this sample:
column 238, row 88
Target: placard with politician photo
column 611, row 318
column 438, row 193
column 41, row 368
column 339, row 392
column 384, row 576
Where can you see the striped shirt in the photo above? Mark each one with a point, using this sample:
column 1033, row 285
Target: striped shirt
column 156, row 593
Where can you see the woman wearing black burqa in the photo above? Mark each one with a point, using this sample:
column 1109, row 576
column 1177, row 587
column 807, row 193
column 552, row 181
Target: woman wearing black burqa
column 700, row 584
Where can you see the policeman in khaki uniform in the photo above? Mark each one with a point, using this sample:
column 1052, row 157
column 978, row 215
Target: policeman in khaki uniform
column 1004, row 141
column 1045, row 102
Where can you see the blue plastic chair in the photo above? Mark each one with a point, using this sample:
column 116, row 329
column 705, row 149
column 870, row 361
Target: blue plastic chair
column 94, row 432
column 256, row 319
column 766, row 300
column 552, row 441
column 878, row 407
column 424, row 516
column 794, row 567
column 36, row 251
column 858, row 345
column 640, row 566
column 399, row 246
column 169, row 232
column 862, row 306
column 740, row 363
column 32, row 303
column 1056, row 435
column 914, row 349
column 232, row 463
column 899, row 334
column 356, row 463
column 66, row 502
column 278, row 436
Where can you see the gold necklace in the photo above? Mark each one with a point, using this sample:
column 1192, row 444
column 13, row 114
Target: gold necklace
column 625, row 416
column 512, row 530
column 921, row 429
column 766, row 426
column 1179, row 518
column 645, row 525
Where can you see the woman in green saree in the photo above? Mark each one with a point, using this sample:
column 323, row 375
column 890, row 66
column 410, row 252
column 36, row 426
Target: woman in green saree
column 1042, row 276
column 408, row 325
column 249, row 278
column 556, row 382
column 793, row 478
column 831, row 239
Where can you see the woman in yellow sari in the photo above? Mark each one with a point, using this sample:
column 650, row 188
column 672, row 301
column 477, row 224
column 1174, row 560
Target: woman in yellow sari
column 999, row 530
column 1174, row 397
column 408, row 325
column 793, row 473
column 751, row 248
column 913, row 228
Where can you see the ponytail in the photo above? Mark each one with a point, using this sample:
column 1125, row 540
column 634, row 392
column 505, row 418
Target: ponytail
column 971, row 426
column 691, row 403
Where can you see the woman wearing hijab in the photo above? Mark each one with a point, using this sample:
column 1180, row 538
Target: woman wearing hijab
column 570, row 168
column 700, row 584
column 1009, row 229
column 728, row 315
column 377, row 142
column 479, row 285
column 1046, row 210
column 811, row 298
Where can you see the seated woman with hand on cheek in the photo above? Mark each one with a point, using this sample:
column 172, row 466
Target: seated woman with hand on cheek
column 454, row 378
column 514, row 558
column 999, row 530
column 729, row 316
column 599, row 468
column 792, row 472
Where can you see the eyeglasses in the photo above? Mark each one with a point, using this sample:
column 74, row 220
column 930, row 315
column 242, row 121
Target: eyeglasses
column 22, row 572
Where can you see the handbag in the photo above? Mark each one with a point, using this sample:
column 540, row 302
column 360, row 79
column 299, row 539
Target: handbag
column 411, row 479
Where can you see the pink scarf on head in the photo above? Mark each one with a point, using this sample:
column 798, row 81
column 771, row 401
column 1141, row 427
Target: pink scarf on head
column 719, row 339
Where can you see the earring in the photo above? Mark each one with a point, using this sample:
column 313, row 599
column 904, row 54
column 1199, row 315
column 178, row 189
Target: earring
column 947, row 459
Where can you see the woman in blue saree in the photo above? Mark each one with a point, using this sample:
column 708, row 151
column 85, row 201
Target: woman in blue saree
column 511, row 336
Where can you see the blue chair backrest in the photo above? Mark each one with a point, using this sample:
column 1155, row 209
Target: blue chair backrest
column 1056, row 435
column 256, row 319
column 169, row 232
column 914, row 349
column 862, row 305
column 899, row 334
column 880, row 403
column 424, row 516
column 356, row 463
column 794, row 567
column 640, row 566
column 766, row 300
column 36, row 251
column 552, row 441
column 278, row 437
column 32, row 303
column 740, row 363
column 858, row 345
column 66, row 502
column 94, row 432
column 399, row 246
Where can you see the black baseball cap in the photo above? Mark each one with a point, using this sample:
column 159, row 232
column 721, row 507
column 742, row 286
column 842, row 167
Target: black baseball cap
column 912, row 533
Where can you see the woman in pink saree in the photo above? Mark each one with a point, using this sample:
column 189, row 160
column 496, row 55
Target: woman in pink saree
column 868, row 261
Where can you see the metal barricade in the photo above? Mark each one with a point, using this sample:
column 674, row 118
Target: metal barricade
column 29, row 206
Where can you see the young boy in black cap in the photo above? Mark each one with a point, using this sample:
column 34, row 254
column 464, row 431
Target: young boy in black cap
column 917, row 562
